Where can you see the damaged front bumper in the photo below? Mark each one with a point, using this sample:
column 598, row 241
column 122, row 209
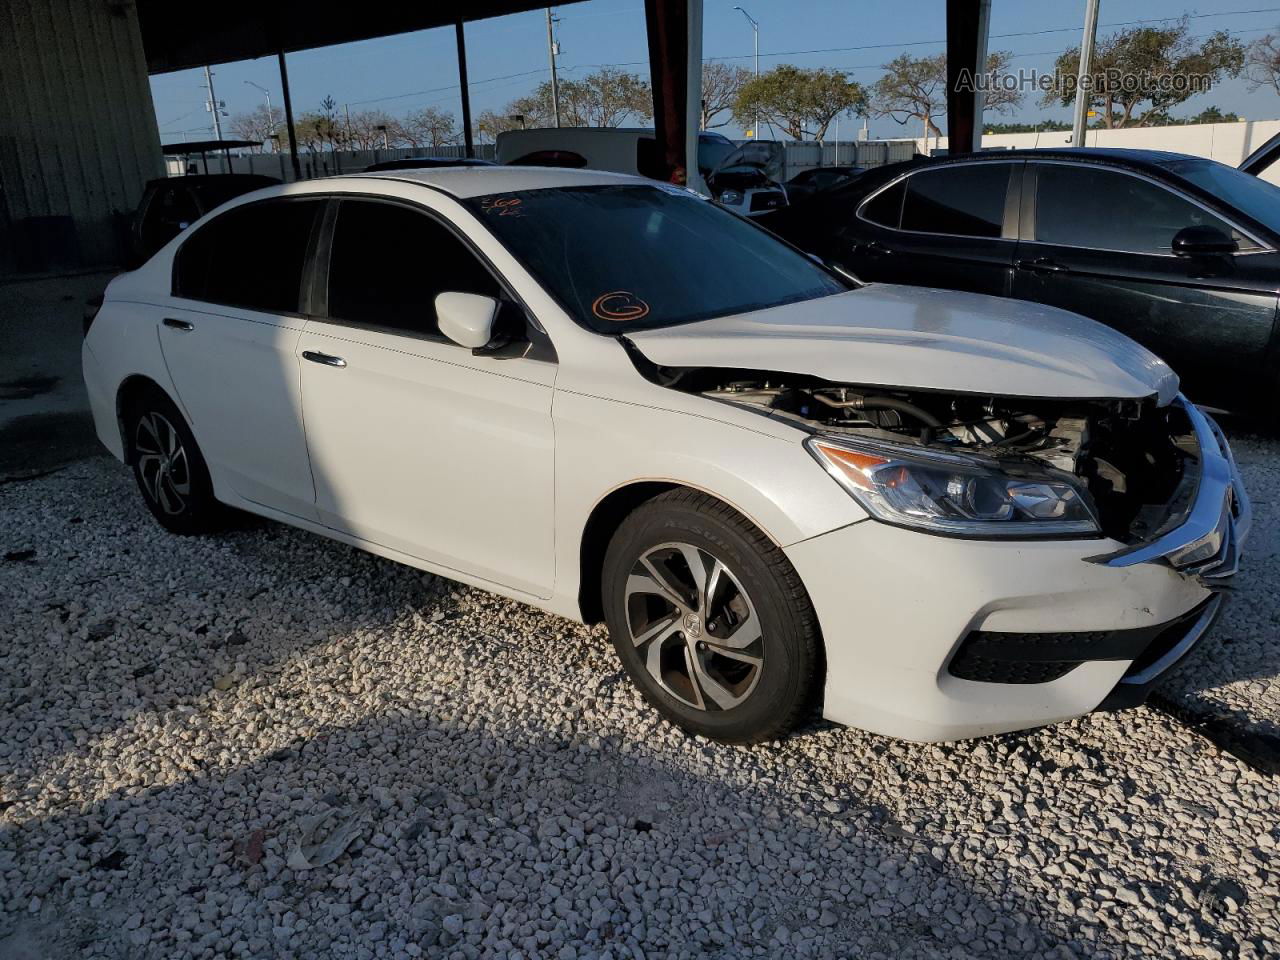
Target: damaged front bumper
column 1207, row 543
column 897, row 609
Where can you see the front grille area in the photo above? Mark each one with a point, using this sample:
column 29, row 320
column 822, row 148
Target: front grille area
column 997, row 657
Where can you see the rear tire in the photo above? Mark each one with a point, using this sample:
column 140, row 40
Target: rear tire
column 169, row 469
column 710, row 619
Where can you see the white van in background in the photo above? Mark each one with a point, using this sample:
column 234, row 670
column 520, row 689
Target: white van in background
column 744, row 179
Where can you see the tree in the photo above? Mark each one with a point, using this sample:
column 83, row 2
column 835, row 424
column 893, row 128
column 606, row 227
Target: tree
column 1043, row 126
column 364, row 130
column 258, row 124
column 721, row 84
column 1262, row 63
column 1158, row 66
column 431, row 127
column 916, row 88
column 801, row 102
column 1213, row 115
column 489, row 124
column 607, row 98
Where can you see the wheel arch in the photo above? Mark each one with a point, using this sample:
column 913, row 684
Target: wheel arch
column 131, row 387
column 603, row 521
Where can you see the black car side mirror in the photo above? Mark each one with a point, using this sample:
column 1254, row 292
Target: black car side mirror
column 1202, row 240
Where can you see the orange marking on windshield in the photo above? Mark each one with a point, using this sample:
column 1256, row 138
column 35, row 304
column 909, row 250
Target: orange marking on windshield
column 503, row 206
column 619, row 305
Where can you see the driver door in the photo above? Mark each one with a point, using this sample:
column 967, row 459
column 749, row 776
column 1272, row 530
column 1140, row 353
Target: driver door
column 416, row 443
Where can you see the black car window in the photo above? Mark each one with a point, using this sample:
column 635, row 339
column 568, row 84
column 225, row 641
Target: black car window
column 388, row 262
column 885, row 208
column 251, row 256
column 1098, row 208
column 965, row 201
column 172, row 209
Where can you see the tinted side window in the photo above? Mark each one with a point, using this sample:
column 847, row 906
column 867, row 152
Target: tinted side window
column 388, row 262
column 885, row 208
column 1078, row 206
column 965, row 201
column 252, row 256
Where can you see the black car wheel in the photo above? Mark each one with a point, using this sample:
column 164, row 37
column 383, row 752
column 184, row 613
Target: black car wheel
column 169, row 468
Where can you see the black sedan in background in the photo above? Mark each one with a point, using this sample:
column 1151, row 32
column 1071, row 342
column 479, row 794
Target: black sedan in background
column 171, row 204
column 808, row 182
column 1178, row 252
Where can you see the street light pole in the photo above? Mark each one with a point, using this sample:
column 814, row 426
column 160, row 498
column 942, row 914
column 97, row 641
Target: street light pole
column 271, row 117
column 555, row 86
column 755, row 35
column 1084, row 97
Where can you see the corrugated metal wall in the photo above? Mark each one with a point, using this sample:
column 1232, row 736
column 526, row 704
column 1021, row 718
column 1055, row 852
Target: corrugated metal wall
column 77, row 131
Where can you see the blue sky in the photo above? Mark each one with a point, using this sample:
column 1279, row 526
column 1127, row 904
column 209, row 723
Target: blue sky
column 507, row 56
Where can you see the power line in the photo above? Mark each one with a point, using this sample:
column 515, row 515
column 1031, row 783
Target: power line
column 796, row 53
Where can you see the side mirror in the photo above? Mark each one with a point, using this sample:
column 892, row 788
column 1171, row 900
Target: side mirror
column 1202, row 240
column 466, row 318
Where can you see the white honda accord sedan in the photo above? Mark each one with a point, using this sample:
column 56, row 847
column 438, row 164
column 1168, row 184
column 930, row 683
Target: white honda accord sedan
column 939, row 515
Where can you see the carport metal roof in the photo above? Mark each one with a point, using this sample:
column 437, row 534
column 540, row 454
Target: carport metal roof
column 176, row 38
column 246, row 29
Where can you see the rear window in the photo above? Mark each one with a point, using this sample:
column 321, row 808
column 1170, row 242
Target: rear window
column 551, row 158
column 964, row 201
column 251, row 256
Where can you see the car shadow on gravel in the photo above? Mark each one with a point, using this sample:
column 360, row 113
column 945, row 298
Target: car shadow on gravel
column 469, row 827
column 177, row 709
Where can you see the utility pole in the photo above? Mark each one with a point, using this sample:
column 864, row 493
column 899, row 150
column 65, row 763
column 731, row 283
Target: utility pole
column 552, row 50
column 271, row 117
column 1084, row 97
column 214, row 107
column 755, row 35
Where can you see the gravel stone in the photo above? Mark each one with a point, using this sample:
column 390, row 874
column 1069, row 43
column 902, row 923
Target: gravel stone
column 175, row 711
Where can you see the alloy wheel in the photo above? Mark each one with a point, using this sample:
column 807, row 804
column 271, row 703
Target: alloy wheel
column 694, row 626
column 162, row 463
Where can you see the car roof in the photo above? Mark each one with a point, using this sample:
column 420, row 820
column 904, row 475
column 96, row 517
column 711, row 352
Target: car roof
column 1119, row 156
column 476, row 181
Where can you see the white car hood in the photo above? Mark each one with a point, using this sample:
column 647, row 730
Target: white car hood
column 918, row 338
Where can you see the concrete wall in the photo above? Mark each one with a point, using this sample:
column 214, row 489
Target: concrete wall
column 1227, row 143
column 77, row 131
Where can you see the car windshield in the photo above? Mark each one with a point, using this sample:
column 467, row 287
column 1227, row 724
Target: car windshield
column 622, row 258
column 1252, row 195
column 711, row 153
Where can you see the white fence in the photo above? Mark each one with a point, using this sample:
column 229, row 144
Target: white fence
column 324, row 163
column 1227, row 143
column 797, row 157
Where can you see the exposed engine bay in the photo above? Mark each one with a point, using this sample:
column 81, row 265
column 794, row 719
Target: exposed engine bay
column 1136, row 460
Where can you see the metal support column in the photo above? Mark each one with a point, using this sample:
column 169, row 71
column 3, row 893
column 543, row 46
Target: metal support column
column 968, row 25
column 288, row 117
column 467, row 136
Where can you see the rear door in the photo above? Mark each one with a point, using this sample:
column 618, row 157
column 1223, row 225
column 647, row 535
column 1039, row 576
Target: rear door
column 229, row 335
column 1099, row 241
column 953, row 226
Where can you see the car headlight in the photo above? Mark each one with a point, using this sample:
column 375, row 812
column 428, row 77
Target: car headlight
column 731, row 197
column 955, row 494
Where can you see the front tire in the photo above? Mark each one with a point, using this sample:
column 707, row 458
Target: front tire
column 710, row 619
column 169, row 469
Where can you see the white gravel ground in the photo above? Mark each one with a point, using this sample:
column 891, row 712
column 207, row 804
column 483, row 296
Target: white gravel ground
column 174, row 715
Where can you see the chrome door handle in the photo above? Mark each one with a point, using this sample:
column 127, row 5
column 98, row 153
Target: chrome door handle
column 178, row 324
column 327, row 359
